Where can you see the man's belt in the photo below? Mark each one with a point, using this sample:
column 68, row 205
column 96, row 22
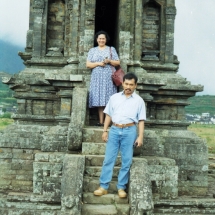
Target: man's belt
column 123, row 125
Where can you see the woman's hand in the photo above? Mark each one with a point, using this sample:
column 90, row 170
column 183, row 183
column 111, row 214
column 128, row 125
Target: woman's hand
column 106, row 61
column 101, row 63
column 92, row 65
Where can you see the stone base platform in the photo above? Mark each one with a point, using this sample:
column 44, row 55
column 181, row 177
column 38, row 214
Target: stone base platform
column 185, row 205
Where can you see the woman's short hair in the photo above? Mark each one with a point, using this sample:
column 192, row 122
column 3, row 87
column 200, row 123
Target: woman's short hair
column 102, row 32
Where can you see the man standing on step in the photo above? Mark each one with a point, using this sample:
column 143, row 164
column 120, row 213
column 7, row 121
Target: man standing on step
column 125, row 109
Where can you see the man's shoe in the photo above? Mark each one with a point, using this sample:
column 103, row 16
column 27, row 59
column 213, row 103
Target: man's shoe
column 122, row 193
column 100, row 192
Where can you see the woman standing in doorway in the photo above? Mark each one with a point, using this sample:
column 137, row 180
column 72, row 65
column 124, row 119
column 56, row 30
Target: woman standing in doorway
column 101, row 59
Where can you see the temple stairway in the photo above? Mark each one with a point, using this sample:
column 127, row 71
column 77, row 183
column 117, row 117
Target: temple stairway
column 163, row 174
column 159, row 169
column 109, row 204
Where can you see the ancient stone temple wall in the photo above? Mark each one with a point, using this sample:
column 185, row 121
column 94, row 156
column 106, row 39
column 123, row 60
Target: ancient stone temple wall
column 52, row 154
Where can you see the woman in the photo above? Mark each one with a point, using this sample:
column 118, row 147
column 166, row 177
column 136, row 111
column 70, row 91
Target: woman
column 102, row 61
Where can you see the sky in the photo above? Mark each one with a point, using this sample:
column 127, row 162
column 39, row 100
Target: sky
column 194, row 36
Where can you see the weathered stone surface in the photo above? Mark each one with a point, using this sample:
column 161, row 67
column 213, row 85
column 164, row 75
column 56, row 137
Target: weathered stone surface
column 89, row 198
column 185, row 205
column 97, row 160
column 92, row 183
column 71, row 186
column 99, row 210
column 123, row 209
column 47, row 177
column 140, row 192
column 93, row 148
column 96, row 171
column 74, row 137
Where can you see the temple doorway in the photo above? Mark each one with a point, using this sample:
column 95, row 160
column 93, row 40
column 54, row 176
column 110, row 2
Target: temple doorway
column 106, row 19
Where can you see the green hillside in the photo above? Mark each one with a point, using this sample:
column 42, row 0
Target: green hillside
column 10, row 62
column 6, row 94
column 201, row 104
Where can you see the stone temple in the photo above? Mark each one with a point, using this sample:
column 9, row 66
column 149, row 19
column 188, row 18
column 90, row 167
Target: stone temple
column 51, row 157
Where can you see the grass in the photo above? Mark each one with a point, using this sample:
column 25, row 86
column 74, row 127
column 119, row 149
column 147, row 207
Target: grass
column 207, row 132
column 5, row 122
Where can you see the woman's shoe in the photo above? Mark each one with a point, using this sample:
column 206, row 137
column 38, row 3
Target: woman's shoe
column 99, row 124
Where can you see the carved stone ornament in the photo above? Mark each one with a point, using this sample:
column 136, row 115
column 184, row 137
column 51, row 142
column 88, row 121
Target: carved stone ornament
column 69, row 5
column 170, row 10
column 39, row 4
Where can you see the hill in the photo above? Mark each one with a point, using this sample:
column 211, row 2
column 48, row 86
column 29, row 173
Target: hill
column 9, row 60
column 201, row 104
column 3, row 86
column 6, row 94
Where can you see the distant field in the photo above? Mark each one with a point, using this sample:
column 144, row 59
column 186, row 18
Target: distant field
column 207, row 132
column 5, row 122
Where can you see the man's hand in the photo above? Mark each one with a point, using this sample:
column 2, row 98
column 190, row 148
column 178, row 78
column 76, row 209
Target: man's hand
column 139, row 141
column 105, row 136
column 106, row 124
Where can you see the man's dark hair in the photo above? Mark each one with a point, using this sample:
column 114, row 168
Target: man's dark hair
column 129, row 76
column 102, row 32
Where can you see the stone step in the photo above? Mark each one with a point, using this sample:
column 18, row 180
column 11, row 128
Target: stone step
column 90, row 198
column 185, row 205
column 98, row 148
column 92, row 134
column 97, row 160
column 95, row 171
column 91, row 148
column 99, row 209
column 92, row 183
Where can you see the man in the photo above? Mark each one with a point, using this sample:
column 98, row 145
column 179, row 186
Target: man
column 124, row 109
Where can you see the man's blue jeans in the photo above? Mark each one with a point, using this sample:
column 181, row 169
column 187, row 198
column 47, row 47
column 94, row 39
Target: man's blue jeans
column 119, row 139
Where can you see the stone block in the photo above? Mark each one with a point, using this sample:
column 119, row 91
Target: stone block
column 42, row 157
column 92, row 183
column 97, row 160
column 99, row 209
column 13, row 196
column 96, row 171
column 23, row 156
column 78, row 116
column 16, row 166
column 71, row 186
column 93, row 135
column 5, row 153
column 76, row 78
column 140, row 193
column 56, row 157
column 123, row 209
column 65, row 109
column 89, row 198
column 93, row 148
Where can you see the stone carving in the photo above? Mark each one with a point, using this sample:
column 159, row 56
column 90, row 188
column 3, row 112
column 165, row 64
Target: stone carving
column 140, row 193
column 77, row 119
column 170, row 10
column 39, row 4
column 72, row 183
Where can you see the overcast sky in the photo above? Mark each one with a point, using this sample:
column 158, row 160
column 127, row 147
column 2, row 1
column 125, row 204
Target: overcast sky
column 194, row 36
